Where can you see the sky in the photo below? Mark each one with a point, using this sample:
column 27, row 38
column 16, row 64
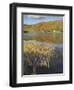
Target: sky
column 33, row 19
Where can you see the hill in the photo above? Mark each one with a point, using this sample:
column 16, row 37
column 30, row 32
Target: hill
column 44, row 26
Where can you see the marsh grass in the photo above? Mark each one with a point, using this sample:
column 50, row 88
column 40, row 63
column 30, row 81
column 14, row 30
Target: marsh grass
column 41, row 59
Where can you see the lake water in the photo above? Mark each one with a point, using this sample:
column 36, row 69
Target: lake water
column 56, row 60
column 43, row 33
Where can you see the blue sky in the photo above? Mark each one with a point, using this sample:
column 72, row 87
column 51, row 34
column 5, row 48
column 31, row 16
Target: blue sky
column 33, row 19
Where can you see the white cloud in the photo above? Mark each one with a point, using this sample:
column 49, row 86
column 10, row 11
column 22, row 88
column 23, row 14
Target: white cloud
column 36, row 16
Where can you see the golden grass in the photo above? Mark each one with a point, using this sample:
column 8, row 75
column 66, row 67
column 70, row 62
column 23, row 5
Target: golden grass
column 37, row 49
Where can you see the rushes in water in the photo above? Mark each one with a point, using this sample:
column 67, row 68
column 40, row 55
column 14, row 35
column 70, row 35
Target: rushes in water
column 37, row 55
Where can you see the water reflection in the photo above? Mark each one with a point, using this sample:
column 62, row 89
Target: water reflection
column 36, row 60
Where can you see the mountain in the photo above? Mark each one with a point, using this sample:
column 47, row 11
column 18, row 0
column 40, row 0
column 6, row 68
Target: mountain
column 44, row 26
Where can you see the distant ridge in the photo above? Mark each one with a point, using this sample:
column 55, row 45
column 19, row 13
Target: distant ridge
column 45, row 26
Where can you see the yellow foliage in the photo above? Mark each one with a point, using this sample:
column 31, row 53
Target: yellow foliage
column 37, row 49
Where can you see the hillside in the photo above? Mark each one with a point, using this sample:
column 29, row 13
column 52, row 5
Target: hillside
column 44, row 26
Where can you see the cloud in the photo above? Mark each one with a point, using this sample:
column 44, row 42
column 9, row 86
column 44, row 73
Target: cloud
column 36, row 16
